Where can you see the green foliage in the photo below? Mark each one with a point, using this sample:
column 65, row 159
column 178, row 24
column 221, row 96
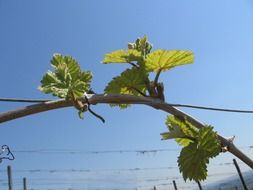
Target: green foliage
column 182, row 131
column 131, row 81
column 122, row 56
column 192, row 163
column 208, row 141
column 66, row 79
column 174, row 133
column 144, row 61
column 142, row 45
column 194, row 158
column 162, row 60
column 199, row 145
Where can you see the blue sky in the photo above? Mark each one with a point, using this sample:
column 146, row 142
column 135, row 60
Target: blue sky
column 218, row 32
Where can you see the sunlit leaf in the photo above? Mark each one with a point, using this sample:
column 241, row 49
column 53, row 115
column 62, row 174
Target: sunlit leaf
column 66, row 79
column 122, row 56
column 192, row 163
column 131, row 81
column 162, row 60
column 174, row 133
column 194, row 157
column 208, row 141
column 185, row 131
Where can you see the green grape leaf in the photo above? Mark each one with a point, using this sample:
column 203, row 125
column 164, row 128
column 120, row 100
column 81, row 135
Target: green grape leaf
column 162, row 60
column 208, row 141
column 131, row 81
column 187, row 131
column 122, row 56
column 192, row 162
column 174, row 133
column 66, row 79
column 183, row 141
column 51, row 84
column 194, row 158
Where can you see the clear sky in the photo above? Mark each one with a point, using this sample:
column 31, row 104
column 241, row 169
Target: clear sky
column 218, row 32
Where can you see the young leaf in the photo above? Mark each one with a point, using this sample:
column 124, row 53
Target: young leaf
column 199, row 146
column 122, row 56
column 192, row 162
column 174, row 133
column 194, row 158
column 131, row 81
column 66, row 79
column 51, row 84
column 187, row 131
column 162, row 60
column 142, row 45
column 208, row 141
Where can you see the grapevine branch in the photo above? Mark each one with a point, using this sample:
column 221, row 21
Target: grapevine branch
column 121, row 99
column 18, row 100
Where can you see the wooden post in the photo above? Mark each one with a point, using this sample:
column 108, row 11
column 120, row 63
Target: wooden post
column 175, row 185
column 24, row 184
column 9, row 177
column 240, row 174
column 200, row 187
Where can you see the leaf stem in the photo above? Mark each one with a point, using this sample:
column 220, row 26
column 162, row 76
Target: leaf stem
column 140, row 92
column 133, row 64
column 157, row 77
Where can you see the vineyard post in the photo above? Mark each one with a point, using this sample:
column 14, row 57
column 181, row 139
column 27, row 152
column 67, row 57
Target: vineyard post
column 174, row 184
column 240, row 174
column 9, row 173
column 24, row 184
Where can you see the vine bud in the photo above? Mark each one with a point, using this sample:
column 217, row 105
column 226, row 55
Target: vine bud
column 131, row 45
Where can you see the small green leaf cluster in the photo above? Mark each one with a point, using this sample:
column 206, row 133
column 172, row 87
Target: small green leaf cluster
column 199, row 145
column 135, row 80
column 142, row 45
column 66, row 80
